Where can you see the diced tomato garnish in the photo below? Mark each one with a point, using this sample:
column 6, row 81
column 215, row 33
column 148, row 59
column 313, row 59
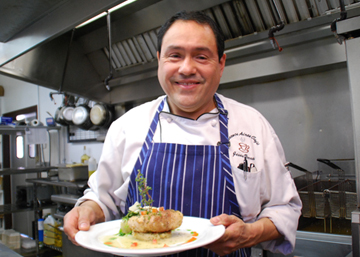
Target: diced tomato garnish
column 143, row 212
column 153, row 210
column 195, row 233
column 161, row 208
column 154, row 241
column 134, row 244
column 165, row 245
column 191, row 239
column 108, row 243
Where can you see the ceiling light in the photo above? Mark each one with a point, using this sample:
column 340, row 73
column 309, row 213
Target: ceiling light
column 91, row 20
column 121, row 5
column 104, row 13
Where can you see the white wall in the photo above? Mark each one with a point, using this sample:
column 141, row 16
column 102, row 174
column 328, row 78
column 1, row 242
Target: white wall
column 311, row 114
column 20, row 94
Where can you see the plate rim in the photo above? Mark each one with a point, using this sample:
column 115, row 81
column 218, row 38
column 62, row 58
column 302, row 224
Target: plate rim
column 219, row 229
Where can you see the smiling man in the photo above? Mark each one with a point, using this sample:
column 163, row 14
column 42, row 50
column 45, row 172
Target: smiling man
column 189, row 68
column 203, row 154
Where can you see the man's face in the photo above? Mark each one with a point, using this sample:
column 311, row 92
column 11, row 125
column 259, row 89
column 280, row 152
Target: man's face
column 189, row 70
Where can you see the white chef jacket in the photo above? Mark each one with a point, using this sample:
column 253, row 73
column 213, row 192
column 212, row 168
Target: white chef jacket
column 266, row 191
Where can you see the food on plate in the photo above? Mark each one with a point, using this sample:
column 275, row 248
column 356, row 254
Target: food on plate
column 148, row 223
column 155, row 223
column 145, row 222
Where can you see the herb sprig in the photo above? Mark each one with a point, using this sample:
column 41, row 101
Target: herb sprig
column 146, row 199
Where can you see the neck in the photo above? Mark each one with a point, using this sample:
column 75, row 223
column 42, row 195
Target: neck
column 191, row 114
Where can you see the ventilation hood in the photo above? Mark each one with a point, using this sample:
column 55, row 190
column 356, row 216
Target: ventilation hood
column 39, row 42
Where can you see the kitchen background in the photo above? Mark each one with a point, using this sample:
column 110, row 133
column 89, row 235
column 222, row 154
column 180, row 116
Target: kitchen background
column 311, row 113
column 20, row 94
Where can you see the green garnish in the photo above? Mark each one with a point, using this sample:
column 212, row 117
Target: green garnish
column 124, row 228
column 146, row 199
column 130, row 214
column 122, row 233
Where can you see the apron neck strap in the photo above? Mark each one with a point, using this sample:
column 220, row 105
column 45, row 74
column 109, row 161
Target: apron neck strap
column 224, row 139
column 223, row 119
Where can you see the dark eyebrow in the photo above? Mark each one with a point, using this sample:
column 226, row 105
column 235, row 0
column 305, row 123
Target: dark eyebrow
column 175, row 47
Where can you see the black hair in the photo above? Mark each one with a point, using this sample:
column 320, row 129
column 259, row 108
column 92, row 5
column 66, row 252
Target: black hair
column 201, row 18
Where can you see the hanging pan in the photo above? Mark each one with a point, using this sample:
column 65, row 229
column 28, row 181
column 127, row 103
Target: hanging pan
column 68, row 109
column 101, row 115
column 81, row 116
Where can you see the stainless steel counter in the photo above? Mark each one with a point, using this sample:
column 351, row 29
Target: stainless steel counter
column 7, row 252
column 320, row 245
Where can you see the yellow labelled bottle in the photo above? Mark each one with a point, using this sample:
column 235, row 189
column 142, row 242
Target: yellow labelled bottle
column 52, row 235
column 85, row 158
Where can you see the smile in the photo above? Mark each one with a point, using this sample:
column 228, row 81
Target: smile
column 187, row 84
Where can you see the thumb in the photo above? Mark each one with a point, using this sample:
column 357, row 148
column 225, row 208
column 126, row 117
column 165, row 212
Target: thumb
column 219, row 220
column 84, row 219
column 224, row 219
column 84, row 224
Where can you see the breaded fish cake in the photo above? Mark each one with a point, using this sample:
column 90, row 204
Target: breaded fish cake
column 156, row 222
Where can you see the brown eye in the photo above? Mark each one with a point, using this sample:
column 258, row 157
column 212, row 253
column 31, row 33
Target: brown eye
column 201, row 58
column 174, row 56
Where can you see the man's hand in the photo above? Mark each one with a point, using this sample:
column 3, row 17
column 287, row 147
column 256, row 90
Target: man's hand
column 239, row 234
column 81, row 217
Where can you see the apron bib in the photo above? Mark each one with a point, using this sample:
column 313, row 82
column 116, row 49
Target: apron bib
column 194, row 179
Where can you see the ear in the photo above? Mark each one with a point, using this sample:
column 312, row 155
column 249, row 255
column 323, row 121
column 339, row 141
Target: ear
column 222, row 64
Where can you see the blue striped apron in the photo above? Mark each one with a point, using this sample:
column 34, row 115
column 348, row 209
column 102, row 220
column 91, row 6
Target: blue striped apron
column 194, row 179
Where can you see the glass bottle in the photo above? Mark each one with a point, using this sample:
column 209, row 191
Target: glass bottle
column 85, row 158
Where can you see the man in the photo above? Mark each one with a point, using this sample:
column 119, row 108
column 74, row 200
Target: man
column 203, row 154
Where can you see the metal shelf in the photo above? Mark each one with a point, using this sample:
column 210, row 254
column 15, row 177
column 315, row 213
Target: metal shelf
column 10, row 128
column 54, row 247
column 56, row 182
column 13, row 131
column 12, row 208
column 65, row 198
column 24, row 170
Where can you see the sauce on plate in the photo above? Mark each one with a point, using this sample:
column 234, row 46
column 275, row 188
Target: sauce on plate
column 129, row 242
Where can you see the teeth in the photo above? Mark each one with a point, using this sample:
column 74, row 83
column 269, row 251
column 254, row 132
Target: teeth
column 187, row 84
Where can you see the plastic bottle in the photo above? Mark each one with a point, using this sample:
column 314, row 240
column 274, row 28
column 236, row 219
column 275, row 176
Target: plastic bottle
column 92, row 166
column 41, row 232
column 52, row 235
column 85, row 158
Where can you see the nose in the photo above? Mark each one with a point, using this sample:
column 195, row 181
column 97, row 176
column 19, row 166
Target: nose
column 187, row 66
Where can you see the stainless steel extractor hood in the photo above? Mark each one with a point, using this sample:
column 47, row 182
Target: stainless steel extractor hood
column 38, row 42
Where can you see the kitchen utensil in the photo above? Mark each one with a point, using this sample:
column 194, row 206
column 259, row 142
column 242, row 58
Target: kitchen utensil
column 101, row 115
column 68, row 109
column 59, row 119
column 81, row 116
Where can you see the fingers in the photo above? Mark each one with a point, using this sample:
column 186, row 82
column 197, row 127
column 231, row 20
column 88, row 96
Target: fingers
column 229, row 240
column 71, row 224
column 79, row 218
column 224, row 219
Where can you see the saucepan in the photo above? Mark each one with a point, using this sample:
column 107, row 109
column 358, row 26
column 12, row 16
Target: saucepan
column 59, row 119
column 63, row 114
column 68, row 109
column 81, row 116
column 101, row 115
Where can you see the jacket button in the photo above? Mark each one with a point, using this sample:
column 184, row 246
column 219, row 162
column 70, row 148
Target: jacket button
column 169, row 120
column 213, row 123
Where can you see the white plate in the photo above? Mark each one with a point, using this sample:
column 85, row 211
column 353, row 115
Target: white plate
column 90, row 239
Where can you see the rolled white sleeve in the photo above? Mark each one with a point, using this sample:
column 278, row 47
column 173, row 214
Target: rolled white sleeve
column 282, row 203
